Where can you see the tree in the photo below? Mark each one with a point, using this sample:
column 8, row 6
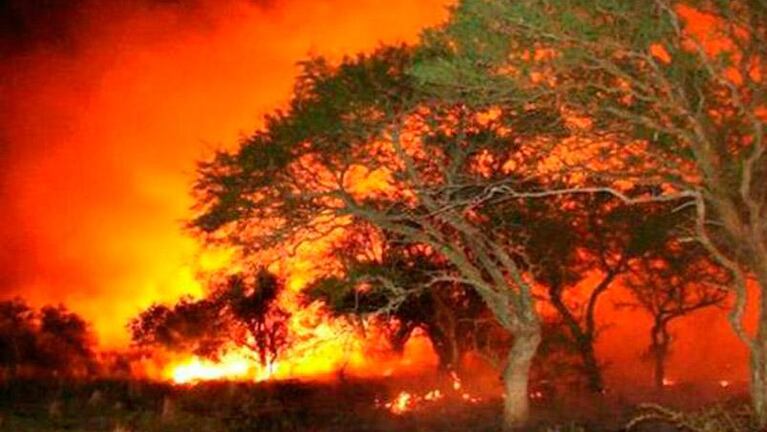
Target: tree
column 571, row 238
column 670, row 284
column 453, row 316
column 358, row 146
column 64, row 342
column 17, row 335
column 240, row 310
column 252, row 304
column 668, row 93
column 52, row 340
column 189, row 325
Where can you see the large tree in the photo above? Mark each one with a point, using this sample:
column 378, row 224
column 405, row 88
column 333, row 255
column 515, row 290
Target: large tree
column 670, row 91
column 360, row 146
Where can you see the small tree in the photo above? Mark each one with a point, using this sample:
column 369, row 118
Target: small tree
column 670, row 284
column 242, row 310
column 52, row 340
column 259, row 322
column 189, row 325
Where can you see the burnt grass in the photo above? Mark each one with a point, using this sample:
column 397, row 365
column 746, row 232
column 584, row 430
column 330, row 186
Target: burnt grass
column 346, row 405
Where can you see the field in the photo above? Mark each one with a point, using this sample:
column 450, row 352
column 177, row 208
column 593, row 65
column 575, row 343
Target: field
column 347, row 405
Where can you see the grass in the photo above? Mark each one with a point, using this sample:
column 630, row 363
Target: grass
column 134, row 406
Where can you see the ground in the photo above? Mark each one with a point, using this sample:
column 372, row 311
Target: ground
column 338, row 406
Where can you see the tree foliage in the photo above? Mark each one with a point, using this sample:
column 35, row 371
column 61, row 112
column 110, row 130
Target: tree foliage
column 241, row 310
column 673, row 89
column 51, row 340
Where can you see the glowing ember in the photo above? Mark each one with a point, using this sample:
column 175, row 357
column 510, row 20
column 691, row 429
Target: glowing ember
column 406, row 401
column 668, row 382
column 402, row 403
column 456, row 381
column 724, row 383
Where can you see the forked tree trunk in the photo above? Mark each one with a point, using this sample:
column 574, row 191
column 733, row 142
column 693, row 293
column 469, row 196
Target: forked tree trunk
column 516, row 407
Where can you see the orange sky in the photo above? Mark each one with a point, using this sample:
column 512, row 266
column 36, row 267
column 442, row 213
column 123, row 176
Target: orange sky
column 102, row 138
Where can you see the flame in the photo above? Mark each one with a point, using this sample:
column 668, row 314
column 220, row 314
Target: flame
column 237, row 365
column 406, row 401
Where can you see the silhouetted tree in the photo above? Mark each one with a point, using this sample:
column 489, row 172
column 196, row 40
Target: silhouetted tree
column 670, row 284
column 65, row 345
column 52, row 340
column 18, row 345
column 251, row 302
column 453, row 317
column 189, row 325
column 572, row 238
column 240, row 310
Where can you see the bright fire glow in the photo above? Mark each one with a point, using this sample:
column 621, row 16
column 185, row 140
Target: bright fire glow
column 406, row 401
column 231, row 366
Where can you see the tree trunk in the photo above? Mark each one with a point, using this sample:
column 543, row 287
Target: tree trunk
column 516, row 408
column 759, row 354
column 446, row 350
column 660, row 370
column 591, row 367
column 660, row 340
column 582, row 339
column 759, row 381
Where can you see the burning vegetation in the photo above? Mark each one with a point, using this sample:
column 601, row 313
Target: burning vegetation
column 438, row 236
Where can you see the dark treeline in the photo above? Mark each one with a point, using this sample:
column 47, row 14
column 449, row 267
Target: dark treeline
column 51, row 341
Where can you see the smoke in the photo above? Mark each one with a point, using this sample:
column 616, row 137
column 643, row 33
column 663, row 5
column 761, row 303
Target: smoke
column 106, row 106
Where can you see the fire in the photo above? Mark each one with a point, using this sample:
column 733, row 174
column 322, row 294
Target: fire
column 234, row 366
column 402, row 403
column 406, row 401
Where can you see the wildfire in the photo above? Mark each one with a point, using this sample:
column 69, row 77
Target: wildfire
column 406, row 401
column 235, row 365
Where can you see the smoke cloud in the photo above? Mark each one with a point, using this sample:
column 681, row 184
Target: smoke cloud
column 106, row 106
